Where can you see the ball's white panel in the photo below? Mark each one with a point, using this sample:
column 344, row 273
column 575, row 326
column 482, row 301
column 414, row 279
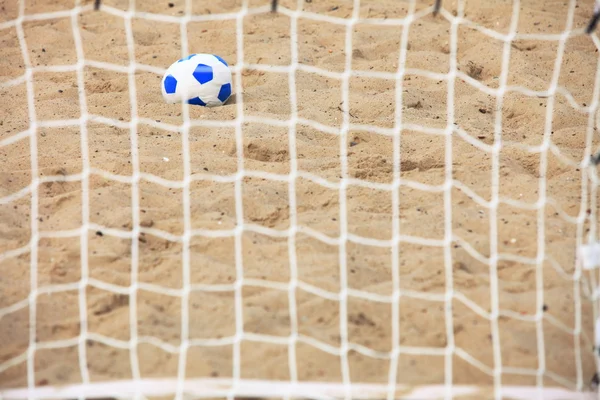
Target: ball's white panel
column 222, row 74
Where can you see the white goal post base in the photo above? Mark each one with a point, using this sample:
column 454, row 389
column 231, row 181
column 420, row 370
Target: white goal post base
column 210, row 388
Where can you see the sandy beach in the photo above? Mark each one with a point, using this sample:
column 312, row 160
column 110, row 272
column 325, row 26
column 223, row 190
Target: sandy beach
column 426, row 269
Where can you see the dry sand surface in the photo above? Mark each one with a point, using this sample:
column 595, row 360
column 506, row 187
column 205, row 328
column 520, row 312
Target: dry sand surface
column 424, row 269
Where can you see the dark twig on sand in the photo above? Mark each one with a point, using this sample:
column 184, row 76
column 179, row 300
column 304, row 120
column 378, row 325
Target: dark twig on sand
column 97, row 5
column 595, row 158
column 595, row 18
column 274, row 5
column 593, row 22
column 595, row 381
column 437, row 6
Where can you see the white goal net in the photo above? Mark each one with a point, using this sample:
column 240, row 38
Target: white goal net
column 395, row 203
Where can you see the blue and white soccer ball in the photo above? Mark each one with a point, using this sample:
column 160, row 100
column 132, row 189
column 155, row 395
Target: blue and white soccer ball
column 199, row 79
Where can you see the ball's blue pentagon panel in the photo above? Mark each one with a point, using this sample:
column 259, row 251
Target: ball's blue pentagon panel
column 203, row 73
column 170, row 84
column 196, row 101
column 225, row 92
column 220, row 59
column 186, row 58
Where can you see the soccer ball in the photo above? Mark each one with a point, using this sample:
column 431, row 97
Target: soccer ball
column 199, row 79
